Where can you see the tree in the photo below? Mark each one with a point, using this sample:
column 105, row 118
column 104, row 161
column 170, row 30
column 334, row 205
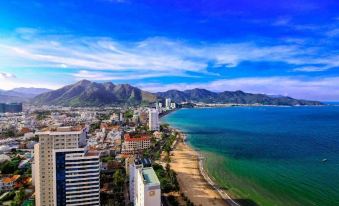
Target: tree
column 9, row 167
column 20, row 196
column 118, row 178
column 128, row 114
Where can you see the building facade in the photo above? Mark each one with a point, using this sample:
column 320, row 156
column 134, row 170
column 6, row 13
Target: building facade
column 11, row 107
column 144, row 184
column 62, row 138
column 153, row 120
column 168, row 103
column 135, row 145
column 76, row 177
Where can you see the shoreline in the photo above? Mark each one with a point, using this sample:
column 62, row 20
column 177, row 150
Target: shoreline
column 184, row 155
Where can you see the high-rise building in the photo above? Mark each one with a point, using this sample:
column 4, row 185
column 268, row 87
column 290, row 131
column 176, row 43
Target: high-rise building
column 153, row 120
column 121, row 117
column 61, row 138
column 11, row 107
column 168, row 103
column 76, row 175
column 147, row 187
column 144, row 184
column 173, row 105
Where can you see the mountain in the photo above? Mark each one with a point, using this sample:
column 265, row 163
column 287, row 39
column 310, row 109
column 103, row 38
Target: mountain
column 236, row 97
column 4, row 98
column 87, row 93
column 30, row 90
column 21, row 94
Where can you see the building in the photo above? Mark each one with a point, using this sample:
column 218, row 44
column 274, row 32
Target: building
column 137, row 164
column 173, row 105
column 121, row 117
column 11, row 107
column 136, row 144
column 168, row 103
column 8, row 183
column 61, row 138
column 76, row 175
column 144, row 184
column 153, row 120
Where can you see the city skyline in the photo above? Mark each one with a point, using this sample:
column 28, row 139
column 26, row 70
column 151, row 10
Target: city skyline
column 289, row 49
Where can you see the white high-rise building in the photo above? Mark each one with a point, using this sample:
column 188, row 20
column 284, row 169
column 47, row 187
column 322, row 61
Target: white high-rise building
column 121, row 117
column 144, row 184
column 153, row 120
column 64, row 138
column 173, row 105
column 168, row 103
column 148, row 191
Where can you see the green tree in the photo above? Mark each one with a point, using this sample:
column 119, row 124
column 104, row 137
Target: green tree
column 118, row 178
column 129, row 114
column 20, row 196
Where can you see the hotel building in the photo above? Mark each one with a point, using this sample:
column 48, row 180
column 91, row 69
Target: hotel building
column 153, row 120
column 63, row 138
column 168, row 103
column 135, row 145
column 144, row 184
column 76, row 177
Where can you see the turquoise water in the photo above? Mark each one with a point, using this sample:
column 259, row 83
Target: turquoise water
column 268, row 155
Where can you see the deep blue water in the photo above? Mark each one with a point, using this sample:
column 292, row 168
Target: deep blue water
column 269, row 155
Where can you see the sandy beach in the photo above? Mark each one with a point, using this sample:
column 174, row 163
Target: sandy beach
column 185, row 162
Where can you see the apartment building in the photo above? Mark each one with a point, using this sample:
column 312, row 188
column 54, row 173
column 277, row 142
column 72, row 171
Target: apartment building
column 134, row 145
column 144, row 184
column 60, row 138
column 76, row 175
column 153, row 120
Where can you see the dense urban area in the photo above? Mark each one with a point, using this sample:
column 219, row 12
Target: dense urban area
column 52, row 155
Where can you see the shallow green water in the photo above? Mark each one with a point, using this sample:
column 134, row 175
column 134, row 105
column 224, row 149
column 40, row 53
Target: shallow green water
column 268, row 155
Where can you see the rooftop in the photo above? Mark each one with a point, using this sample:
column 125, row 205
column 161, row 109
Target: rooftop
column 149, row 176
column 143, row 137
column 7, row 180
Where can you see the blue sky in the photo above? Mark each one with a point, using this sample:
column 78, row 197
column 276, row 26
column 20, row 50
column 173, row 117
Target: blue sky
column 276, row 47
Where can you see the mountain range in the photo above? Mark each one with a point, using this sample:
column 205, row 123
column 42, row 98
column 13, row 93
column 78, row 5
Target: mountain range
column 21, row 94
column 87, row 93
column 230, row 97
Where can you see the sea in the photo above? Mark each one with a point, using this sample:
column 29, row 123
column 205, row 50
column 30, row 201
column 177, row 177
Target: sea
column 268, row 156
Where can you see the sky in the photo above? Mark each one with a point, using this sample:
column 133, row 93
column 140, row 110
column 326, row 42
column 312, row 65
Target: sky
column 281, row 47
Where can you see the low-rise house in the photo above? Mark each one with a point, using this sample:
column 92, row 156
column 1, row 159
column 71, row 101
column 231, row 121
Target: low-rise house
column 157, row 135
column 9, row 182
column 4, row 158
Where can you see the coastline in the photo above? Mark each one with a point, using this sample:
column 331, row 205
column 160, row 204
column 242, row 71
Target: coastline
column 194, row 181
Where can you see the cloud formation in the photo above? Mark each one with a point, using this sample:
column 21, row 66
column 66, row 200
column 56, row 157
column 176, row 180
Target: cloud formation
column 5, row 75
column 161, row 55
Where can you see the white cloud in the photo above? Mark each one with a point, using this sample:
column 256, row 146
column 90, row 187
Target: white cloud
column 311, row 68
column 333, row 32
column 5, row 75
column 111, row 76
column 150, row 55
column 283, row 21
column 7, row 84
